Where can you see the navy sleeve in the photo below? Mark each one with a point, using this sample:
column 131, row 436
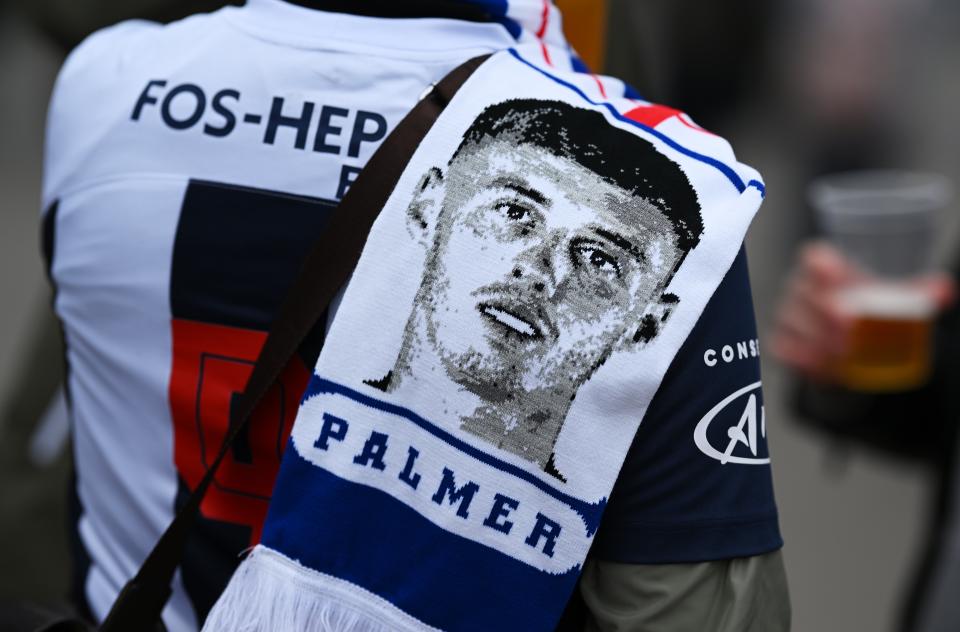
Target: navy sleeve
column 696, row 483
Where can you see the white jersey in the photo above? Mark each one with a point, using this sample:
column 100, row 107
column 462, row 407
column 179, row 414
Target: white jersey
column 188, row 169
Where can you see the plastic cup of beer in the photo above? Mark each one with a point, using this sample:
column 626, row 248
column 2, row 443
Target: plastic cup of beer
column 886, row 224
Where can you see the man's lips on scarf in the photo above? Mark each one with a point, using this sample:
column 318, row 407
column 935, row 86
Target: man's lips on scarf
column 522, row 319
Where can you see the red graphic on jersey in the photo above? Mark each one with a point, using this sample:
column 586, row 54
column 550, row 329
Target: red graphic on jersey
column 211, row 366
column 652, row 115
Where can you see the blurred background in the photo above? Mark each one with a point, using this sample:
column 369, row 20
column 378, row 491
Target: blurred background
column 801, row 87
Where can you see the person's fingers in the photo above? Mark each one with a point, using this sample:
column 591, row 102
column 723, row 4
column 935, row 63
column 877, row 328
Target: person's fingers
column 814, row 285
column 811, row 329
column 800, row 342
column 824, row 266
column 824, row 306
column 814, row 314
column 798, row 321
column 804, row 343
column 797, row 354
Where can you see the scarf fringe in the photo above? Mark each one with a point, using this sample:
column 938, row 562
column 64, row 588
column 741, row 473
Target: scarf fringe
column 266, row 595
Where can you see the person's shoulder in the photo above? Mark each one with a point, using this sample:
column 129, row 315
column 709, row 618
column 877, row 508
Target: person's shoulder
column 107, row 53
column 94, row 86
column 704, row 155
column 104, row 48
column 82, row 97
column 93, row 70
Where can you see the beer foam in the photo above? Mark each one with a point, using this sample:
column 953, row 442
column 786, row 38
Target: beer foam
column 887, row 301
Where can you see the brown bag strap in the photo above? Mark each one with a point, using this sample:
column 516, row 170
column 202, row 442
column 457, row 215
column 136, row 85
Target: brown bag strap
column 325, row 270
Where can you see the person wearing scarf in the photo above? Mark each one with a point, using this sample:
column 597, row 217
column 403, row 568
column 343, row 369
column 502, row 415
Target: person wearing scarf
column 546, row 351
column 536, row 272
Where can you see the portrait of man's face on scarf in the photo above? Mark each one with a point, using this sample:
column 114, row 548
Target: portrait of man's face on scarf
column 547, row 249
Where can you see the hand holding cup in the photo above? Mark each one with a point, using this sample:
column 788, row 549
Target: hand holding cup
column 860, row 307
column 819, row 330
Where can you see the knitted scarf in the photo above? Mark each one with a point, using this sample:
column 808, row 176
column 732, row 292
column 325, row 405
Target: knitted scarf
column 537, row 267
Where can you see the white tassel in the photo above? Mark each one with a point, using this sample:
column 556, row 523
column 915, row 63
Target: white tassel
column 271, row 593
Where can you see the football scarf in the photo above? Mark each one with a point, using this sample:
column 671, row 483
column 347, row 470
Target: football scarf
column 536, row 268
